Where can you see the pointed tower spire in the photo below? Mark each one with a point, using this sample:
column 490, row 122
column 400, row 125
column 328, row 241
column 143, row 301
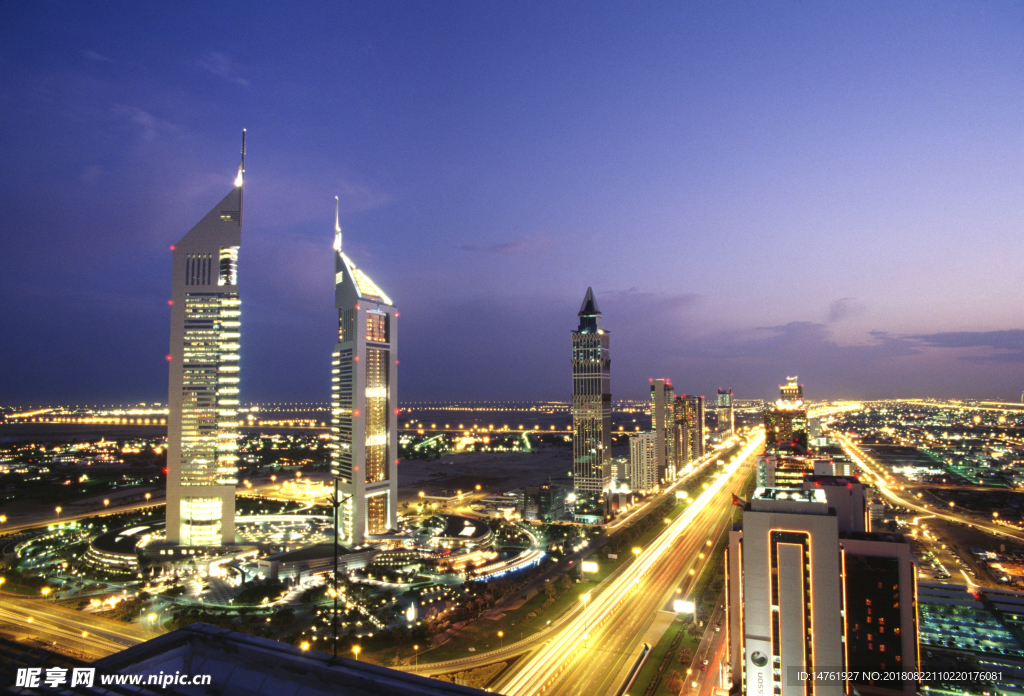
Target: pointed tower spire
column 590, row 315
column 241, row 165
column 589, row 306
column 337, row 226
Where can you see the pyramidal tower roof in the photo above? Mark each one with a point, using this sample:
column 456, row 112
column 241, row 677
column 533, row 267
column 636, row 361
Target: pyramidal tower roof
column 350, row 283
column 589, row 306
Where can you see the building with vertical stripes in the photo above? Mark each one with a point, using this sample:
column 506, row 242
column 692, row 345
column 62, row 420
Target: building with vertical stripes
column 364, row 403
column 203, row 381
column 591, row 413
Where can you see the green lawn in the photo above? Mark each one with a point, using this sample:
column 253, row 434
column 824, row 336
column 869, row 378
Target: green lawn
column 482, row 634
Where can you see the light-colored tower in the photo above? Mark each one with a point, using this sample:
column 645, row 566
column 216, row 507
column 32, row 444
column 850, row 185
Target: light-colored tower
column 808, row 587
column 643, row 461
column 591, row 413
column 364, row 402
column 202, row 399
column 662, row 421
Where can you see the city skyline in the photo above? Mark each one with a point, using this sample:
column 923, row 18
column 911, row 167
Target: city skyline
column 826, row 191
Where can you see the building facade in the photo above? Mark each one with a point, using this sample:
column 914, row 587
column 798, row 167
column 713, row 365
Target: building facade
column 726, row 417
column 805, row 590
column 591, row 413
column 203, row 381
column 689, row 417
column 364, row 403
column 643, row 461
column 662, row 424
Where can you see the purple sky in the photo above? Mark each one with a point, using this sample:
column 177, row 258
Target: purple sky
column 832, row 190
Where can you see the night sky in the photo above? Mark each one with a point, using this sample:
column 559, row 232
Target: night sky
column 832, row 190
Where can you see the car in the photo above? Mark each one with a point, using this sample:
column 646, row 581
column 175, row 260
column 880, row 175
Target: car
column 705, row 663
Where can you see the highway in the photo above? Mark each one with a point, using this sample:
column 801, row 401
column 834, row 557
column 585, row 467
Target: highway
column 882, row 480
column 67, row 630
column 584, row 657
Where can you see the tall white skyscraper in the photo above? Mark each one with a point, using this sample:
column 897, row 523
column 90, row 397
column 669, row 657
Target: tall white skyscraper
column 364, row 403
column 202, row 399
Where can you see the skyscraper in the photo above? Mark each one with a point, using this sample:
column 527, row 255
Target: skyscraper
column 202, row 395
column 591, row 413
column 726, row 420
column 364, row 400
column 689, row 416
column 662, row 422
column 785, row 425
column 808, row 587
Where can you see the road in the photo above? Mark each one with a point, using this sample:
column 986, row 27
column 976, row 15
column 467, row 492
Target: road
column 702, row 678
column 530, row 642
column 882, row 480
column 584, row 657
column 62, row 628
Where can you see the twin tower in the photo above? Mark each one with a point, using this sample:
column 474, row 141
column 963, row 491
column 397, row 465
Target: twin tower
column 203, row 402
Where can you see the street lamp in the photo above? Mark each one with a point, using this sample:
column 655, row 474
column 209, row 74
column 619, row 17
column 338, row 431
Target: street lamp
column 501, row 637
column 417, row 649
column 148, row 496
column 106, row 503
column 46, row 592
column 58, row 509
column 356, row 649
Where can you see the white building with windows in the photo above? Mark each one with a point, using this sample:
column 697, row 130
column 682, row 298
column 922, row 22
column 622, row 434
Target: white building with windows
column 202, row 437
column 364, row 403
column 643, row 461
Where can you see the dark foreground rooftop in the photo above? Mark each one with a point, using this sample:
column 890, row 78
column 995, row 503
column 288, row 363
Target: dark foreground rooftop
column 237, row 664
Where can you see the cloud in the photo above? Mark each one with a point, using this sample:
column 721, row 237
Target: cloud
column 222, row 66
column 624, row 303
column 1000, row 346
column 842, row 308
column 151, row 125
column 520, row 248
column 99, row 58
column 284, row 199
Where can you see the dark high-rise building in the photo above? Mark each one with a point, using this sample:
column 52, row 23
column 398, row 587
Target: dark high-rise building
column 726, row 419
column 364, row 397
column 202, row 400
column 591, row 413
column 785, row 425
column 689, row 430
column 786, row 429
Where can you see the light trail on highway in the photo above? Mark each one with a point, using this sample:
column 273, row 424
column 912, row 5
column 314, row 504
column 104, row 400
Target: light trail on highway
column 568, row 662
column 862, row 459
column 66, row 628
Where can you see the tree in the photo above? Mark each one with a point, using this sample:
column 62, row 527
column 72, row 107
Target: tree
column 684, row 656
column 674, row 681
